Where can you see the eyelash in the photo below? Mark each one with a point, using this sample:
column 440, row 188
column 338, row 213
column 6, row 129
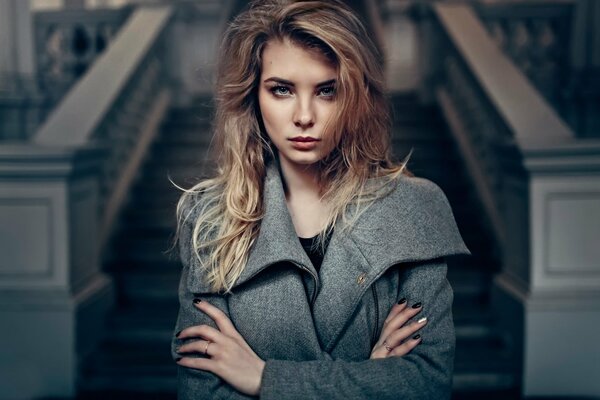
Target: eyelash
column 276, row 91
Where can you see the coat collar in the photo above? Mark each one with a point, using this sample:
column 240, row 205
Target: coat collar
column 398, row 228
column 412, row 223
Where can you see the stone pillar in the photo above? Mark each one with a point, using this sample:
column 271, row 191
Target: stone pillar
column 403, row 47
column 549, row 289
column 16, row 38
column 192, row 54
column 53, row 296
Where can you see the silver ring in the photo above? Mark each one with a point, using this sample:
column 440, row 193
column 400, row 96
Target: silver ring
column 206, row 348
column 388, row 348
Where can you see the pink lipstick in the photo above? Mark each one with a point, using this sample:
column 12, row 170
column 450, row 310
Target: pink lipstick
column 304, row 139
column 304, row 142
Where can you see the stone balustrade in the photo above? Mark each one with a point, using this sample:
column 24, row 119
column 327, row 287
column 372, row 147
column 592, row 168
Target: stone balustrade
column 59, row 196
column 539, row 185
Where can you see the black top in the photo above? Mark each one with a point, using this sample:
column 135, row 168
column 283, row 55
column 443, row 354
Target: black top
column 314, row 251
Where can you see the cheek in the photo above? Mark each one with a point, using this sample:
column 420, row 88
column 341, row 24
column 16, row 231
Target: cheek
column 271, row 114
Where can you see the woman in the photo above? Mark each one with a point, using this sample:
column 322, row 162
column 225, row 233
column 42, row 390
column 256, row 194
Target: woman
column 313, row 265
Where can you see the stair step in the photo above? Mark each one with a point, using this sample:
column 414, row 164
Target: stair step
column 479, row 381
column 181, row 174
column 151, row 322
column 129, row 367
column 142, row 287
column 146, row 217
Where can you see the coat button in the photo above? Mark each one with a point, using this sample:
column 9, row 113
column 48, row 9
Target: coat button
column 361, row 278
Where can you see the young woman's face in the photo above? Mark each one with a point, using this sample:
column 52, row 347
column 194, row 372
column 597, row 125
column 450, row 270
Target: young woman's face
column 297, row 97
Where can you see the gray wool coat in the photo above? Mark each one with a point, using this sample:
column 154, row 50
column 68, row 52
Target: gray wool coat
column 316, row 330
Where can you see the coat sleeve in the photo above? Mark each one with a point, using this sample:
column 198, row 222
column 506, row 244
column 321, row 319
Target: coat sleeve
column 193, row 384
column 424, row 373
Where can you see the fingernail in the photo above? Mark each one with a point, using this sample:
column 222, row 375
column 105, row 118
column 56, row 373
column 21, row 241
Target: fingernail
column 196, row 301
column 178, row 333
column 402, row 300
column 178, row 359
column 417, row 305
column 422, row 320
column 416, row 337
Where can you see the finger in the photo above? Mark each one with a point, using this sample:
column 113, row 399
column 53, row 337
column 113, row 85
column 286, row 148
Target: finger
column 205, row 364
column 379, row 351
column 205, row 332
column 221, row 319
column 400, row 319
column 203, row 347
column 396, row 308
column 405, row 332
column 405, row 347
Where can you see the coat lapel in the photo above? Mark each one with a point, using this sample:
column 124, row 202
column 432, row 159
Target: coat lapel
column 277, row 240
column 413, row 223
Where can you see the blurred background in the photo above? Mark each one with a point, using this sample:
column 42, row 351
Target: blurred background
column 101, row 101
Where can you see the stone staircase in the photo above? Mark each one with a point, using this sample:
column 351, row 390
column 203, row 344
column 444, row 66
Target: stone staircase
column 134, row 360
column 483, row 364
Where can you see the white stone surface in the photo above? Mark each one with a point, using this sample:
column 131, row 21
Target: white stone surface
column 53, row 297
column 562, row 353
column 565, row 232
column 16, row 38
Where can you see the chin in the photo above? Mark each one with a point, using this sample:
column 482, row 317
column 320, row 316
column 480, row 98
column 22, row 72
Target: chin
column 306, row 161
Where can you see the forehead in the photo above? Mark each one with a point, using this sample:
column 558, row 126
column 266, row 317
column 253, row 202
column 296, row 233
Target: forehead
column 287, row 60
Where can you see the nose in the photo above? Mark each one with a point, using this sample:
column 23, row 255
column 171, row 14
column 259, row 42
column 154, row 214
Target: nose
column 304, row 116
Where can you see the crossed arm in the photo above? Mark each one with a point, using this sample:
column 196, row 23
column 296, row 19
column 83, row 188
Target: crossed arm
column 419, row 368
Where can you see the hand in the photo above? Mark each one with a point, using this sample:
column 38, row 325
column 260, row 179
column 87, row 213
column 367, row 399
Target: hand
column 397, row 339
column 224, row 352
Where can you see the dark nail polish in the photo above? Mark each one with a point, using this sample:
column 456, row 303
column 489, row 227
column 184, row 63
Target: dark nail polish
column 196, row 301
column 417, row 337
column 178, row 333
column 417, row 305
column 178, row 359
column 402, row 300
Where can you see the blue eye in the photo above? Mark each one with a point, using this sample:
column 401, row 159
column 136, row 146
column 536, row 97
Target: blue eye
column 280, row 91
column 328, row 91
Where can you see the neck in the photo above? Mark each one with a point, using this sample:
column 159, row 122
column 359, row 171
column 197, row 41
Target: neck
column 301, row 181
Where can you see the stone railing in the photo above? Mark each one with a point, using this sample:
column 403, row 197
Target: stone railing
column 59, row 196
column 124, row 91
column 538, row 38
column 66, row 43
column 555, row 43
column 23, row 107
column 539, row 187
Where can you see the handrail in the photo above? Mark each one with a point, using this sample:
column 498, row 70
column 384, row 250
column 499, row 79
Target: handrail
column 117, row 105
column 495, row 114
column 74, row 121
column 68, row 41
column 524, row 110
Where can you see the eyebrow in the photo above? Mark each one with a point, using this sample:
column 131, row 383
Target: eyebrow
column 290, row 83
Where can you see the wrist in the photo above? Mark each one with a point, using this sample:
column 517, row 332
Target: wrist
column 260, row 369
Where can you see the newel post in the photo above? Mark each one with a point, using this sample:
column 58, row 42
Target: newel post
column 549, row 289
column 53, row 295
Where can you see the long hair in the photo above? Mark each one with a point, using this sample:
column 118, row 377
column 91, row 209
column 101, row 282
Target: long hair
column 228, row 222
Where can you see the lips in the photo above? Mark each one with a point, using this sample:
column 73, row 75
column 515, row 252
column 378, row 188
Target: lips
column 304, row 139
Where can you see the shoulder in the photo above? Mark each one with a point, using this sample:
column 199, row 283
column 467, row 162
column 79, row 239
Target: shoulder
column 413, row 220
column 414, row 200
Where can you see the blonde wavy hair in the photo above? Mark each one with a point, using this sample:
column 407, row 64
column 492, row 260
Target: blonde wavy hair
column 228, row 207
